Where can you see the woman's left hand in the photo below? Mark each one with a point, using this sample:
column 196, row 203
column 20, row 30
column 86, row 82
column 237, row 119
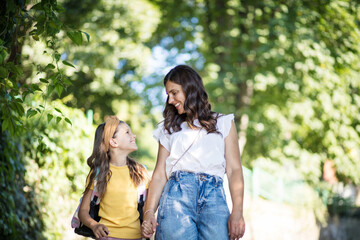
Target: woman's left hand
column 236, row 225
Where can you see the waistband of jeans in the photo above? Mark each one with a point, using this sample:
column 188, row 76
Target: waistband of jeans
column 177, row 175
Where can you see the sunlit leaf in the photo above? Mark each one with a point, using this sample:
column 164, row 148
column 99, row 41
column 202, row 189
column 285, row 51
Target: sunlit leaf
column 49, row 117
column 68, row 121
column 58, row 119
column 75, row 36
column 68, row 64
column 58, row 110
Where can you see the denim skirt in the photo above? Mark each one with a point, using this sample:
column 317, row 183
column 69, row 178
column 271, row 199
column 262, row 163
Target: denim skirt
column 193, row 206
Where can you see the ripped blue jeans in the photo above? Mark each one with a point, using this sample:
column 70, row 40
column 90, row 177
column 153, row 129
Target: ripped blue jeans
column 193, row 207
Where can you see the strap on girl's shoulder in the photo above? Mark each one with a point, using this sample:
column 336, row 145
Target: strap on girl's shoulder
column 95, row 190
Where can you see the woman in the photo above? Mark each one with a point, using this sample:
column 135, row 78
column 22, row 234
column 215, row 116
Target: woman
column 196, row 148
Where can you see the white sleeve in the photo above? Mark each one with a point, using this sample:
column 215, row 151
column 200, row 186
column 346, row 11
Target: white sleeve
column 162, row 136
column 224, row 124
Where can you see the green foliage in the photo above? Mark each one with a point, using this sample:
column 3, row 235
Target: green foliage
column 38, row 52
column 21, row 216
column 23, row 23
column 111, row 66
column 58, row 172
column 289, row 71
column 290, row 67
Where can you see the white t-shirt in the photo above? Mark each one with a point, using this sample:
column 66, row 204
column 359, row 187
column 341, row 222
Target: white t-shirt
column 207, row 154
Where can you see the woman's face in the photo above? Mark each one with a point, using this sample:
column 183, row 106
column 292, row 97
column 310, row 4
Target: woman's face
column 176, row 96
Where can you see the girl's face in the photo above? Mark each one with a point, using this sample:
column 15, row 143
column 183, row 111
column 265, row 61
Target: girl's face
column 176, row 96
column 124, row 138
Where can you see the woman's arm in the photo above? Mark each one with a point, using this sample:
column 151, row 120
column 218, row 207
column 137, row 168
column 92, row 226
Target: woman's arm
column 234, row 172
column 156, row 187
column 99, row 230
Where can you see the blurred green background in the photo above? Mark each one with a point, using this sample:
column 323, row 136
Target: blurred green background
column 288, row 70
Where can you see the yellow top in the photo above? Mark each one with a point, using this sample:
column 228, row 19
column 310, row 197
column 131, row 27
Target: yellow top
column 118, row 207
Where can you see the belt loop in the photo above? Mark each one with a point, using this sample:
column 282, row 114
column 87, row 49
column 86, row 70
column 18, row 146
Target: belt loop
column 217, row 180
column 177, row 176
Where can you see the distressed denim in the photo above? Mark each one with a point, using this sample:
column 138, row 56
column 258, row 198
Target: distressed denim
column 193, row 206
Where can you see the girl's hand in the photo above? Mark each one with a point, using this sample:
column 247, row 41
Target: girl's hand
column 100, row 230
column 149, row 224
column 236, row 225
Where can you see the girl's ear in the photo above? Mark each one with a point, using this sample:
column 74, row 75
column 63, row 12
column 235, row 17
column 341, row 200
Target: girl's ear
column 113, row 142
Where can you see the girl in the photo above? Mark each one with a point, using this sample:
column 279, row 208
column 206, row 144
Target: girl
column 117, row 177
column 196, row 148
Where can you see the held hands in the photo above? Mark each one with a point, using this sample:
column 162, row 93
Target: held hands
column 149, row 224
column 236, row 225
column 100, row 230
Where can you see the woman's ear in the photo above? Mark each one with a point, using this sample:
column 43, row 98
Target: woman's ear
column 113, row 143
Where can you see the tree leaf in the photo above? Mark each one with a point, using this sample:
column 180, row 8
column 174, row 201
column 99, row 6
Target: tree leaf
column 50, row 89
column 57, row 57
column 30, row 113
column 68, row 64
column 6, row 123
column 35, row 87
column 87, row 36
column 36, row 37
column 19, row 108
column 68, row 121
column 58, row 110
column 59, row 89
column 58, row 119
column 67, row 81
column 43, row 80
column 37, row 6
column 3, row 72
column 49, row 66
column 75, row 36
column 49, row 117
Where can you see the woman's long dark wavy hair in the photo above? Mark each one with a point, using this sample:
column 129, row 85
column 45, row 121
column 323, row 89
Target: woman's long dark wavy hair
column 99, row 161
column 196, row 105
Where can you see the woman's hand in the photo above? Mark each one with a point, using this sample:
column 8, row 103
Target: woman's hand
column 149, row 224
column 236, row 225
column 100, row 230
